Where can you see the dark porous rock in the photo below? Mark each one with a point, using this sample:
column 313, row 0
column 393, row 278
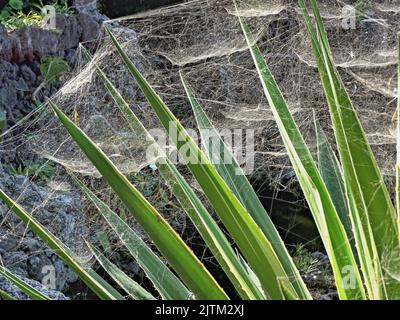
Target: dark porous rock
column 5, row 44
column 115, row 9
column 24, row 253
column 14, row 291
column 32, row 42
column 69, row 32
column 90, row 29
column 27, row 74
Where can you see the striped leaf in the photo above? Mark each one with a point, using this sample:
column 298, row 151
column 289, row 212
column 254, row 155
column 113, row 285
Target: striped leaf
column 327, row 220
column 25, row 287
column 371, row 210
column 180, row 257
column 205, row 224
column 167, row 284
column 88, row 276
column 232, row 173
column 131, row 287
column 253, row 244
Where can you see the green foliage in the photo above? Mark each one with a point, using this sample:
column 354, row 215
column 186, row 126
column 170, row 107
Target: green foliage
column 52, row 68
column 15, row 16
column 16, row 4
column 304, row 260
column 60, row 6
column 362, row 8
column 42, row 169
column 16, row 20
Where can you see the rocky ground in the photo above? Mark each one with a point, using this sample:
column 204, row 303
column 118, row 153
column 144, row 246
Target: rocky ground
column 20, row 54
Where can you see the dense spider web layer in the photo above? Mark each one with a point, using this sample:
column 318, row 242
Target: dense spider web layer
column 203, row 40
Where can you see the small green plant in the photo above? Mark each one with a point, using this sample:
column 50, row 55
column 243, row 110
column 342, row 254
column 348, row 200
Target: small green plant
column 304, row 260
column 13, row 5
column 15, row 16
column 362, row 8
column 52, row 68
column 60, row 6
column 42, row 170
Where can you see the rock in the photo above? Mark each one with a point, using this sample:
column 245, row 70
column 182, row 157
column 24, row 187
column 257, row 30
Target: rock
column 5, row 44
column 24, row 253
column 69, row 33
column 89, row 7
column 122, row 8
column 32, row 42
column 28, row 75
column 13, row 290
column 90, row 29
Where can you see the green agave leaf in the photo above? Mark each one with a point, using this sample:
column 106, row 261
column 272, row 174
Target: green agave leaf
column 25, row 287
column 211, row 233
column 398, row 136
column 88, row 276
column 205, row 224
column 169, row 286
column 248, row 236
column 332, row 175
column 327, row 220
column 371, row 209
column 171, row 246
column 234, row 176
column 5, row 296
column 286, row 292
column 331, row 172
column 132, row 288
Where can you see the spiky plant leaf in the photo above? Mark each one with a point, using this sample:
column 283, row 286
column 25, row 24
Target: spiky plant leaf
column 252, row 242
column 131, row 287
column 25, row 287
column 180, row 257
column 327, row 220
column 205, row 224
column 165, row 281
column 371, row 210
column 101, row 288
column 232, row 173
column 5, row 296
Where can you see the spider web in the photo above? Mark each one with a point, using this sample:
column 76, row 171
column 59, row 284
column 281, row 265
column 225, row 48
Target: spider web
column 203, row 40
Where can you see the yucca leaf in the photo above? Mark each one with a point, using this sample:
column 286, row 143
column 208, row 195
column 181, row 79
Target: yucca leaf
column 398, row 136
column 88, row 276
column 332, row 175
column 205, row 224
column 287, row 292
column 5, row 296
column 248, row 236
column 371, row 209
column 181, row 258
column 131, row 287
column 211, row 233
column 26, row 288
column 167, row 284
column 327, row 220
column 234, row 176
